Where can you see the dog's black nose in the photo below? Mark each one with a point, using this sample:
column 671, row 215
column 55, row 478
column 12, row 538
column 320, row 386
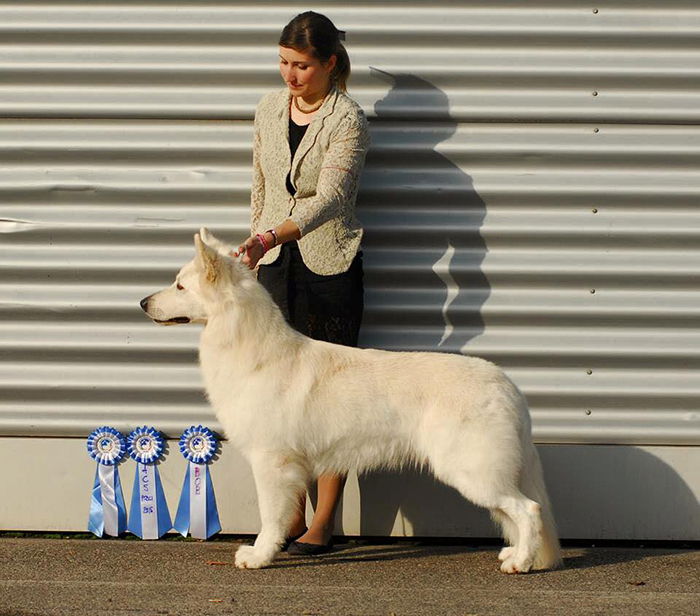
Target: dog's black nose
column 144, row 303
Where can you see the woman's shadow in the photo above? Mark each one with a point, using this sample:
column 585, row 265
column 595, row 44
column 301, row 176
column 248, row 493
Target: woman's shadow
column 425, row 290
column 424, row 287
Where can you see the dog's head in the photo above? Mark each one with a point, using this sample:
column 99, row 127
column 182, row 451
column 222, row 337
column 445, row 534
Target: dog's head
column 203, row 285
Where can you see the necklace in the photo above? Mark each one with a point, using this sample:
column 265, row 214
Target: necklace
column 307, row 111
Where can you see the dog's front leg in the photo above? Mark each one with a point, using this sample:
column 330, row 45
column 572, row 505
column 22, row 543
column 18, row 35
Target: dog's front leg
column 279, row 480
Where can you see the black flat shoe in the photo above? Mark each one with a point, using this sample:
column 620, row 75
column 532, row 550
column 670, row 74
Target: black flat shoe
column 297, row 548
column 289, row 540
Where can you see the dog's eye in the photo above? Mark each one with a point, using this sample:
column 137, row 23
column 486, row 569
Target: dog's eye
column 180, row 287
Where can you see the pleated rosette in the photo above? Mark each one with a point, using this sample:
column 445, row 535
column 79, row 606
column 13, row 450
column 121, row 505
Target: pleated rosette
column 149, row 517
column 197, row 511
column 107, row 509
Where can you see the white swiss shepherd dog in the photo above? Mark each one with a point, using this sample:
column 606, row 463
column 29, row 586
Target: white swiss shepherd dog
column 297, row 407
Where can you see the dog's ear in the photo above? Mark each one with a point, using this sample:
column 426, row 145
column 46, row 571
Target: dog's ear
column 211, row 240
column 206, row 236
column 207, row 259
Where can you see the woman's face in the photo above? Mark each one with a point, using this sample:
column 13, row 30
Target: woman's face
column 303, row 73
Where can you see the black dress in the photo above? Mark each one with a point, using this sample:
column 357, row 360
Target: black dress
column 322, row 307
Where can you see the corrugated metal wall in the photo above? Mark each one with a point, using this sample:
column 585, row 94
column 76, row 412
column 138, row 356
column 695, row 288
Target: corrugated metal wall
column 531, row 196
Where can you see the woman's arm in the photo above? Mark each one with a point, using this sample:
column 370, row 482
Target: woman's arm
column 339, row 178
column 257, row 191
column 338, row 183
column 252, row 249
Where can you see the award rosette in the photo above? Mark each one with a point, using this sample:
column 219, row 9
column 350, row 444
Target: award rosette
column 197, row 509
column 149, row 517
column 107, row 510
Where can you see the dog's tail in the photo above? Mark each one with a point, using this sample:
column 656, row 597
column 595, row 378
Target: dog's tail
column 532, row 485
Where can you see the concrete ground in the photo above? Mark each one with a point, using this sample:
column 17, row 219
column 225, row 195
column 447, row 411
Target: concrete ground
column 46, row 577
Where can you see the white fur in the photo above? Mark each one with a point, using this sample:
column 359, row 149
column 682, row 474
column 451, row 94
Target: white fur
column 297, row 407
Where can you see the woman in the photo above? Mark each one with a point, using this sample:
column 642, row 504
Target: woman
column 309, row 148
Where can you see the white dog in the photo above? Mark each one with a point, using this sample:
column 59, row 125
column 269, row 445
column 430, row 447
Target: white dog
column 297, row 407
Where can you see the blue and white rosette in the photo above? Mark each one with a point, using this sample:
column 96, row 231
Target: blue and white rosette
column 197, row 509
column 107, row 509
column 149, row 517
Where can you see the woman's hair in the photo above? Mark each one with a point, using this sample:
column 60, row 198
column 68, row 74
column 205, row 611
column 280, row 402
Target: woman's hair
column 314, row 33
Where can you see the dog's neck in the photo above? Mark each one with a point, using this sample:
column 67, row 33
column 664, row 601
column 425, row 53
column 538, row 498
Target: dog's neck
column 250, row 325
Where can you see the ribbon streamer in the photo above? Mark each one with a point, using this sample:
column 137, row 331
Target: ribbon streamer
column 149, row 517
column 107, row 509
column 197, row 511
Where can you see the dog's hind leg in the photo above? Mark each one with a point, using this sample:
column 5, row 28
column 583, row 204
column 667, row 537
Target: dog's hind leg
column 518, row 515
column 279, row 480
column 509, row 530
column 487, row 475
column 525, row 514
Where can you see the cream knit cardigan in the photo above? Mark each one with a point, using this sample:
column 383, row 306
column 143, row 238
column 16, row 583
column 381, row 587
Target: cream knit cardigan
column 325, row 173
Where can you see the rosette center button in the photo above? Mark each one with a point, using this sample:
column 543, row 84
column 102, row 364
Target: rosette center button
column 145, row 444
column 105, row 445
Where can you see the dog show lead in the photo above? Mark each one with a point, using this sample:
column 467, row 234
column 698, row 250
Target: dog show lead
column 309, row 147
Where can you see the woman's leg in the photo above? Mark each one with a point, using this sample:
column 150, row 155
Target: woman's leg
column 327, row 308
column 330, row 489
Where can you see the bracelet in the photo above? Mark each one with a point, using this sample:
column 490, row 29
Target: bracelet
column 274, row 234
column 263, row 242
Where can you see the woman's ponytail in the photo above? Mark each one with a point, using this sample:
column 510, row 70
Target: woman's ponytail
column 341, row 72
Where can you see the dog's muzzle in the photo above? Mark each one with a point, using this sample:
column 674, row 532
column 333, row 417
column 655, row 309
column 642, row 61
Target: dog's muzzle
column 175, row 320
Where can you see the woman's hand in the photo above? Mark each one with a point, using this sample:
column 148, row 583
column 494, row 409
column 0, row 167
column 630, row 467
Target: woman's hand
column 251, row 250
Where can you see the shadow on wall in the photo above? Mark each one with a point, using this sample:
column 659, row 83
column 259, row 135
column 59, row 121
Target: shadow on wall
column 620, row 492
column 408, row 181
column 422, row 221
column 598, row 492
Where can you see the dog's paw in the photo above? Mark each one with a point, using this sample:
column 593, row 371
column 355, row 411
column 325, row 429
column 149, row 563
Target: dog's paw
column 247, row 557
column 513, row 564
column 506, row 552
